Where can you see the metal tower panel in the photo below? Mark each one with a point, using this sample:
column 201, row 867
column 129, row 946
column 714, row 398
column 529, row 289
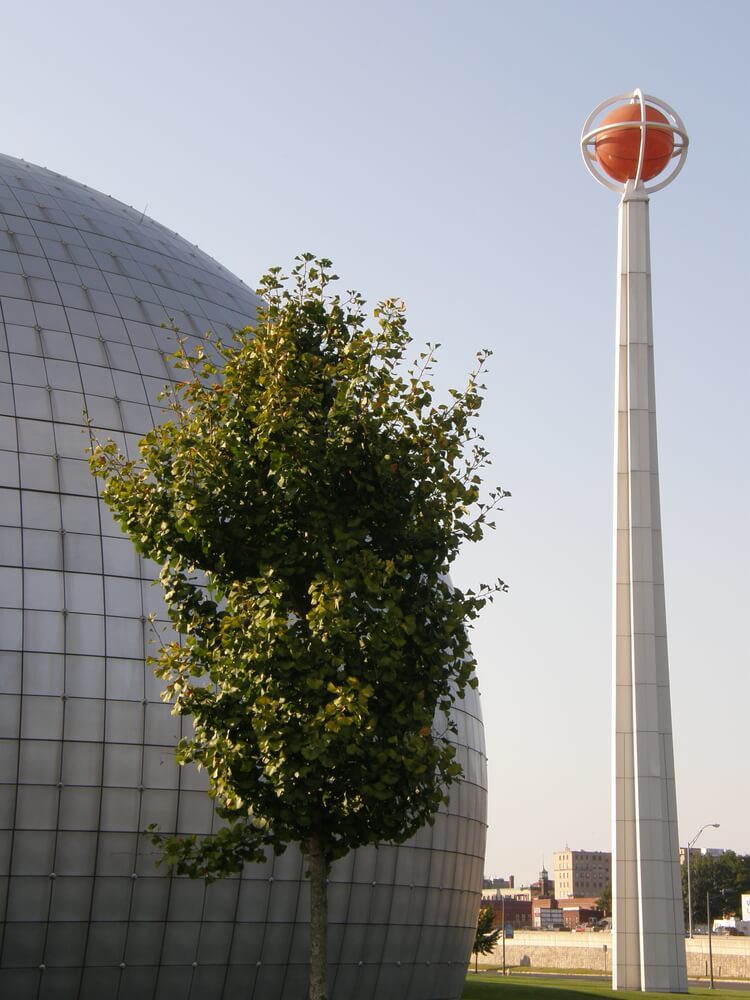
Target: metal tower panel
column 648, row 943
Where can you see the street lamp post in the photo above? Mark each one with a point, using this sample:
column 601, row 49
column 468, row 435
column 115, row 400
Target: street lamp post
column 690, row 897
column 503, row 935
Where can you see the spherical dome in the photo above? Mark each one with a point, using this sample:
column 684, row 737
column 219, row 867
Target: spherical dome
column 86, row 746
column 618, row 149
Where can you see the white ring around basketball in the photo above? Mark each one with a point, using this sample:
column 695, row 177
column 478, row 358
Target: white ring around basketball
column 674, row 124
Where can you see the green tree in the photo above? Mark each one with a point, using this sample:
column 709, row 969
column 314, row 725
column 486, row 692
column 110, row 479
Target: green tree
column 486, row 936
column 304, row 502
column 604, row 902
column 725, row 876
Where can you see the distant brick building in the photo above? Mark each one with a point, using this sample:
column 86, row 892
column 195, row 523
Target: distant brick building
column 517, row 911
column 579, row 916
column 543, row 888
column 547, row 914
column 499, row 883
column 581, row 873
column 700, row 852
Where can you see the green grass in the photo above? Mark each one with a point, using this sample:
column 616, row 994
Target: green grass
column 494, row 987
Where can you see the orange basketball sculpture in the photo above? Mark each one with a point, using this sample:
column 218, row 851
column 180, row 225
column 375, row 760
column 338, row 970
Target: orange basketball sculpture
column 634, row 142
column 617, row 150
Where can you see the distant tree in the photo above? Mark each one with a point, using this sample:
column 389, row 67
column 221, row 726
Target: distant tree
column 725, row 876
column 604, row 902
column 486, row 936
column 305, row 501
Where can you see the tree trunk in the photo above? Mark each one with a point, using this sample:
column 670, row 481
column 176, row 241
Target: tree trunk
column 318, row 918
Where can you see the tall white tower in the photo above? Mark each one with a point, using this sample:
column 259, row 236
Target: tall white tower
column 627, row 141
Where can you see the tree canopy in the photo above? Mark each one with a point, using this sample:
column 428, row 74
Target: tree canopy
column 486, row 934
column 726, row 876
column 305, row 500
column 604, row 902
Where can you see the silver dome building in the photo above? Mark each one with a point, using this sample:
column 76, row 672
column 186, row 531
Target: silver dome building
column 86, row 746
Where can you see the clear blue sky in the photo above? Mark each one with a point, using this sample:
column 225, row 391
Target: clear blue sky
column 431, row 150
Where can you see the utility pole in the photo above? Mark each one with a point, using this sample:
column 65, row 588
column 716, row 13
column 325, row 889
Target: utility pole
column 690, row 895
column 503, row 912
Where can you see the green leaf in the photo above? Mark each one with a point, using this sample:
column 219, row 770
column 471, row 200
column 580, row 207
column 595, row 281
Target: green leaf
column 305, row 501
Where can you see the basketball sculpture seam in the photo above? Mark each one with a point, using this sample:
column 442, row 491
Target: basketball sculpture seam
column 621, row 136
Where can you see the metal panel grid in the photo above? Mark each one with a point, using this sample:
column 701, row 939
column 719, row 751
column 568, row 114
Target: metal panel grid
column 86, row 759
